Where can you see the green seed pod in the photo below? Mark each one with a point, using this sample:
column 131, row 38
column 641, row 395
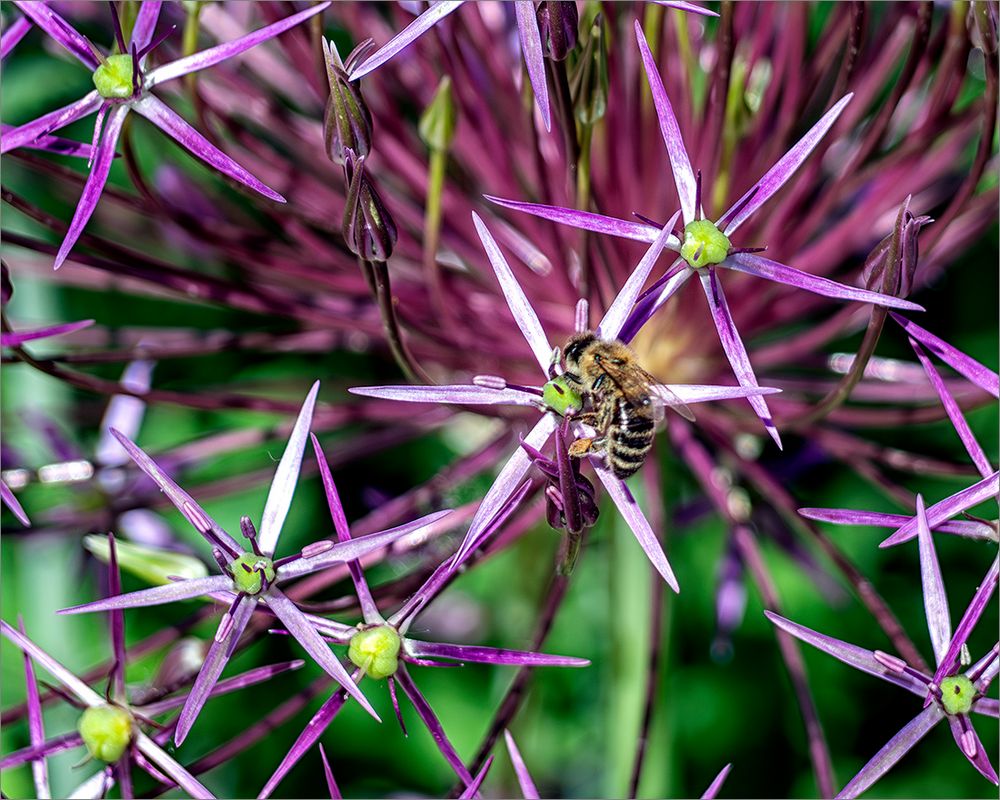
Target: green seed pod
column 559, row 395
column 113, row 79
column 957, row 695
column 704, row 244
column 437, row 123
column 106, row 730
column 376, row 651
column 247, row 571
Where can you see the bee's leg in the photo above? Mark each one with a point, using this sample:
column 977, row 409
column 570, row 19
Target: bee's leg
column 585, row 447
column 586, row 418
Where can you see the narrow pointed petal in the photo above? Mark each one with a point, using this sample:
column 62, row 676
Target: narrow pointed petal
column 223, row 52
column 83, row 692
column 231, row 627
column 980, row 600
column 753, row 264
column 713, row 789
column 987, row 706
column 461, row 394
column 651, row 303
column 182, row 501
column 145, row 23
column 935, row 598
column 850, row 654
column 782, row 171
column 184, row 779
column 886, row 758
column 434, row 14
column 17, row 338
column 527, row 785
column 310, row 734
column 36, row 728
column 680, row 165
column 588, row 221
column 614, row 319
column 843, row 516
column 31, row 132
column 698, row 393
column 680, row 5
column 60, row 30
column 520, row 308
column 433, row 725
column 95, row 787
column 122, row 773
column 313, row 643
column 237, row 682
column 156, row 596
column 985, row 378
column 286, row 477
column 972, row 447
column 124, row 413
column 12, row 503
column 632, row 514
column 506, row 483
column 948, row 508
column 489, row 655
column 167, row 120
column 54, row 144
column 117, row 624
column 472, row 790
column 972, row 748
column 13, row 34
column 531, row 49
column 39, row 752
column 733, row 345
column 331, row 784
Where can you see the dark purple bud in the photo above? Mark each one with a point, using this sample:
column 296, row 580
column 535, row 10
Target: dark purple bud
column 558, row 22
column 368, row 227
column 347, row 122
column 892, row 263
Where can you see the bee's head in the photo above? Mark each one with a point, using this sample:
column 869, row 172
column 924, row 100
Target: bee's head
column 575, row 347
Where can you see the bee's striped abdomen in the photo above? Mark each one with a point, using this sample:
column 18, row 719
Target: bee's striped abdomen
column 629, row 440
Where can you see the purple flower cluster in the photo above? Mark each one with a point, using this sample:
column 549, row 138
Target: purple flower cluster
column 393, row 238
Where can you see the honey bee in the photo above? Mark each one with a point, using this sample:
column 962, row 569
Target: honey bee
column 626, row 401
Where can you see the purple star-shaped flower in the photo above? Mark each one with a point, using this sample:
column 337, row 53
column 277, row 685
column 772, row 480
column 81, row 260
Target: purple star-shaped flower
column 251, row 577
column 951, row 693
column 704, row 246
column 121, row 85
column 495, row 391
column 380, row 648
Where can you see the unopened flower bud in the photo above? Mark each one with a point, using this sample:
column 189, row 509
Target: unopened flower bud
column 347, row 122
column 437, row 123
column 558, row 22
column 106, row 730
column 368, row 228
column 892, row 263
column 589, row 85
column 376, row 651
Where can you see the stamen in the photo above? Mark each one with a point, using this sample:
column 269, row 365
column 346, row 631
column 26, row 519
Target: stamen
column 490, row 382
column 225, row 626
column 697, row 196
column 135, row 72
column 250, row 532
column 149, row 48
column 647, row 220
column 220, row 559
column 119, row 35
column 740, row 205
column 582, row 315
column 196, row 517
column 891, row 663
column 315, row 548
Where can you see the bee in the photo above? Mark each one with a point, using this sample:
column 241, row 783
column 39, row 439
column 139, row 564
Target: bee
column 626, row 401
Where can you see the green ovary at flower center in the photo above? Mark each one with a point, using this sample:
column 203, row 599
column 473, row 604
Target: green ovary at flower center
column 247, row 571
column 106, row 731
column 957, row 694
column 376, row 651
column 704, row 244
column 558, row 395
column 113, row 78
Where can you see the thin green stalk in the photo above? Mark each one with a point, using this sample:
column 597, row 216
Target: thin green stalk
column 379, row 273
column 432, row 228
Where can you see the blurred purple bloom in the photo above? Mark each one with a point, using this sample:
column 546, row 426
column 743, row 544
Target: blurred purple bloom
column 122, row 85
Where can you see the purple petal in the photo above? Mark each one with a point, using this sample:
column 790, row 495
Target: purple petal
column 98, row 176
column 145, row 24
column 313, row 643
column 286, row 477
column 651, row 303
column 231, row 627
column 778, row 175
column 680, row 5
column 632, row 514
column 850, row 654
column 980, row 600
column 122, row 773
column 60, row 30
column 117, row 624
column 124, row 413
column 31, row 132
column 841, row 516
column 527, row 785
column 55, row 144
column 310, row 734
column 733, row 345
column 524, row 315
column 13, row 34
column 895, row 749
column 237, row 682
column 227, row 50
column 588, row 221
column 472, row 790
column 713, row 788
column 36, row 729
column 614, row 319
column 985, row 378
column 972, row 447
column 331, row 784
column 987, row 706
column 948, row 508
column 95, row 787
column 171, row 768
column 462, row 394
column 156, row 596
column 15, row 507
column 698, row 393
column 433, row 725
column 39, row 752
column 434, row 14
column 753, row 264
column 161, row 115
column 971, row 747
column 679, row 163
column 531, row 49
column 183, row 502
column 489, row 655
column 503, row 487
column 935, row 598
column 83, row 692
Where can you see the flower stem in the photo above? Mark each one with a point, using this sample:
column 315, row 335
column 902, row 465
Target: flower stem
column 378, row 280
column 432, row 228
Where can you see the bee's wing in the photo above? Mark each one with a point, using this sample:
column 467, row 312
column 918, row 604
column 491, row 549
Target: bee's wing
column 662, row 397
